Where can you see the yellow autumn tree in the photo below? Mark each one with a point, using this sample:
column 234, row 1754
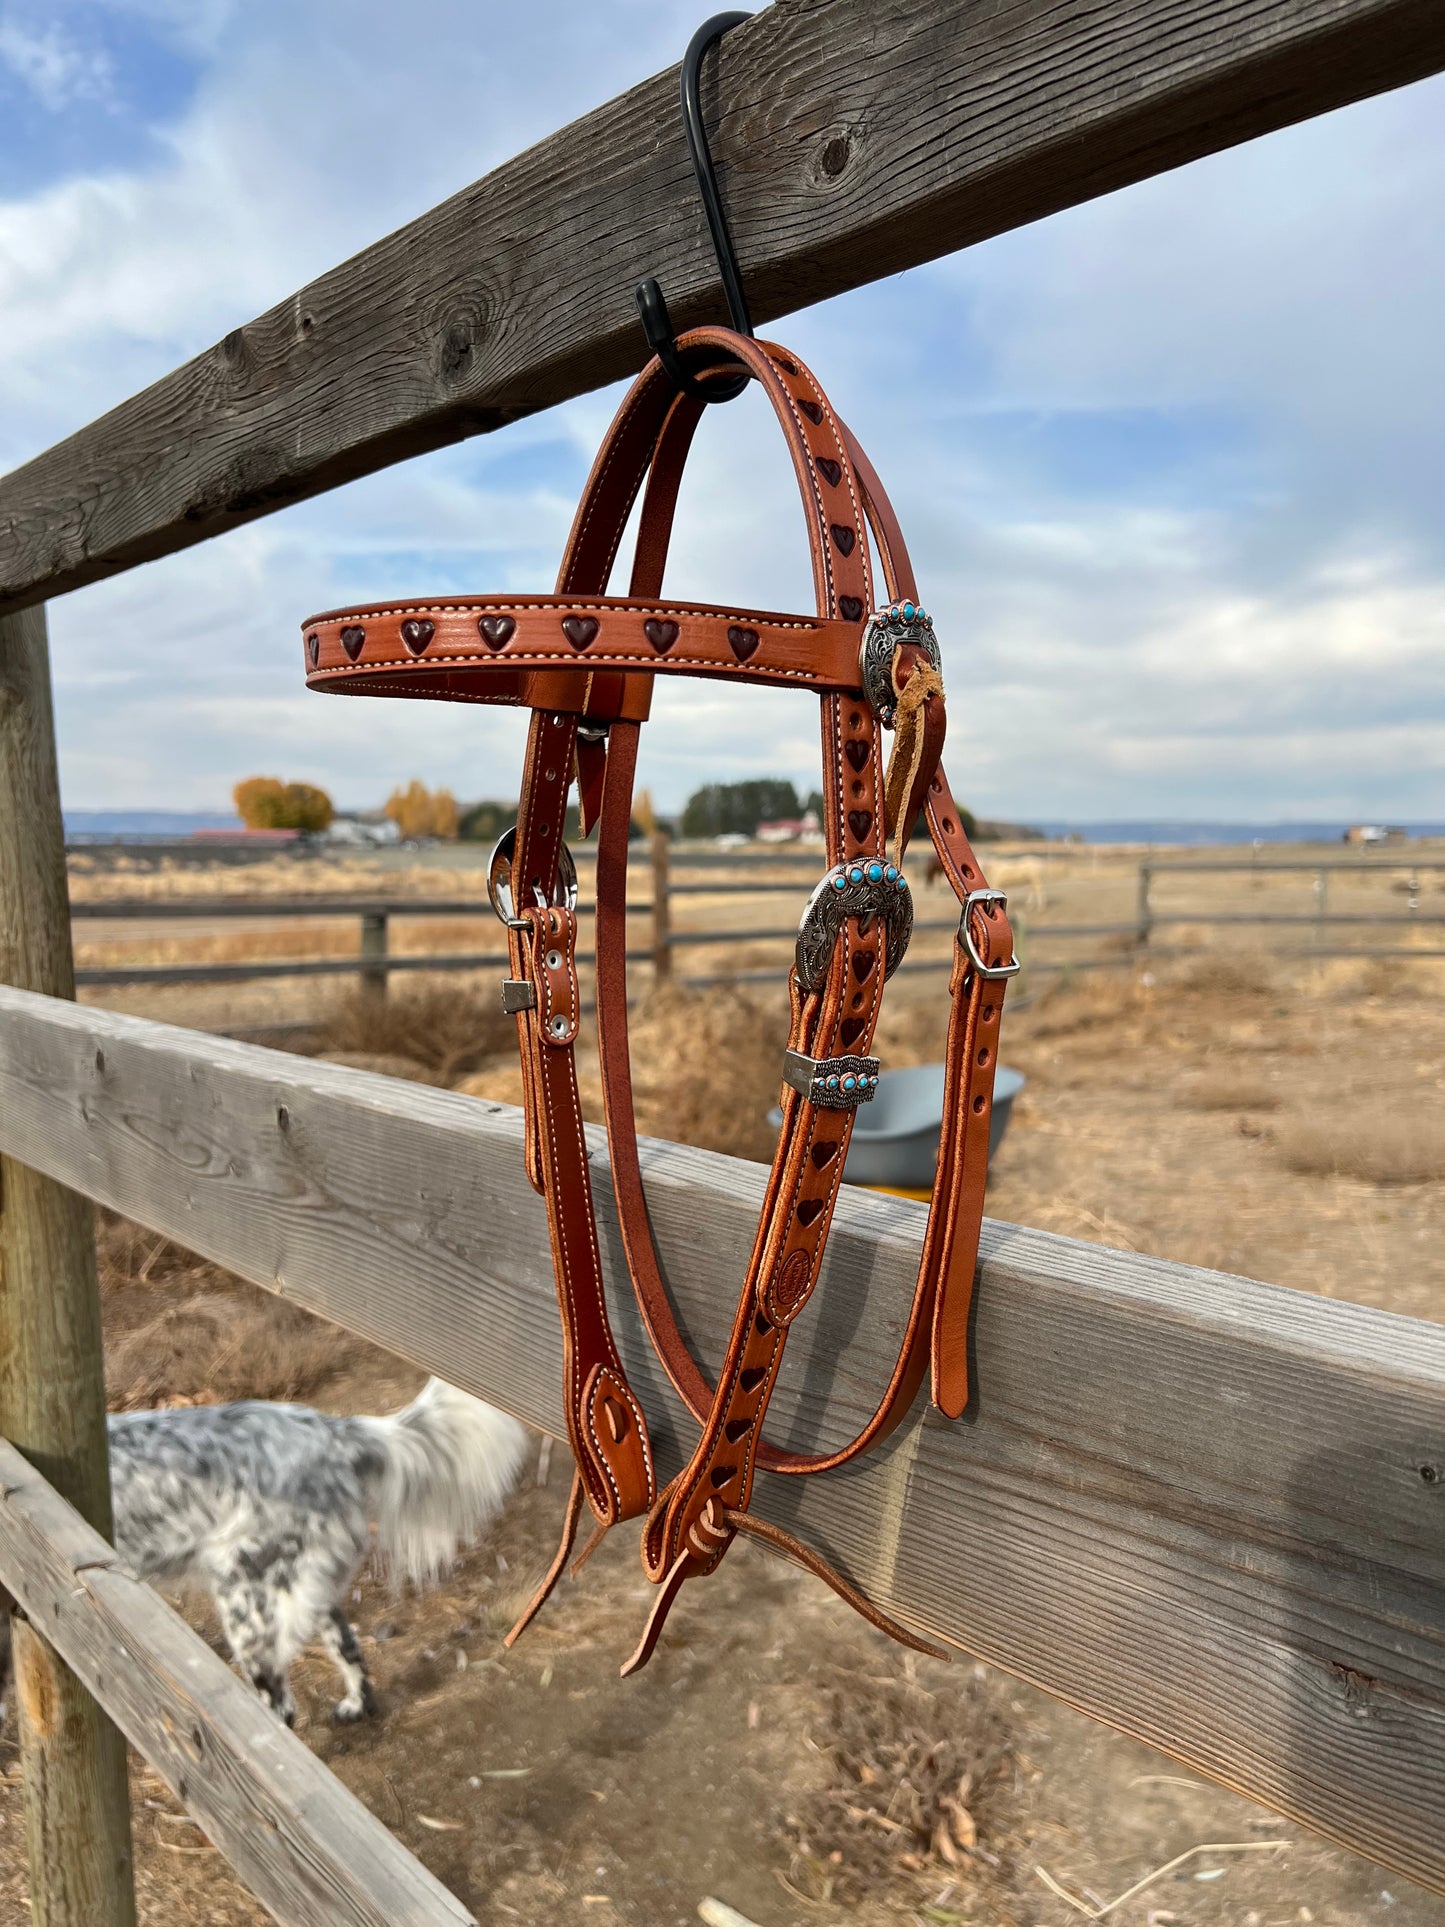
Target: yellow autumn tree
column 266, row 803
column 418, row 811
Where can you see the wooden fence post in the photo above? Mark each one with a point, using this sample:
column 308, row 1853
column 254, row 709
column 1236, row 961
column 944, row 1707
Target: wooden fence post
column 373, row 944
column 661, row 907
column 1145, row 913
column 52, row 1390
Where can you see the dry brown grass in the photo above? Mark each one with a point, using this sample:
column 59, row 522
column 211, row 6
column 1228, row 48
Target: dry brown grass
column 180, row 1331
column 1224, row 1092
column 911, row 1796
column 1242, row 974
column 705, row 1067
column 1382, row 1146
column 447, row 1030
column 95, row 879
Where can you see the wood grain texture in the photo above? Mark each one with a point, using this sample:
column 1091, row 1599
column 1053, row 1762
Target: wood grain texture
column 1202, row 1509
column 52, row 1391
column 306, row 1847
column 854, row 138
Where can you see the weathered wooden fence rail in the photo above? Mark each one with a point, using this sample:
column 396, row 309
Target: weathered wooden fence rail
column 303, row 1844
column 1205, row 1510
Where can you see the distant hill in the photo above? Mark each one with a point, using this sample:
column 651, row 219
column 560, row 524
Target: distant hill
column 121, row 823
column 989, row 830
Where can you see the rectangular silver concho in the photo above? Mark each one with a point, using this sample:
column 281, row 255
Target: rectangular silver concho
column 834, row 1083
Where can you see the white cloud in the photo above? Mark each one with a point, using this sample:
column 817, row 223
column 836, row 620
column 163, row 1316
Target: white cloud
column 52, row 66
column 1170, row 463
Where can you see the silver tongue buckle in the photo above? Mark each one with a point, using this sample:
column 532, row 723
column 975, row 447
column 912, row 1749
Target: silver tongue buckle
column 832, row 1083
column 499, row 882
column 984, row 900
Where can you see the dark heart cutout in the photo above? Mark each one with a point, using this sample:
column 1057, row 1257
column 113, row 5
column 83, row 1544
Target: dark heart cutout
column 720, row 1475
column 788, row 367
column 753, row 1377
column 822, row 1154
column 616, row 1416
column 844, row 537
column 742, row 642
column 579, row 630
column 860, row 822
column 812, row 411
column 851, row 607
column 761, row 1325
column 736, row 1429
column 831, row 473
column 865, row 962
column 858, row 752
column 496, row 631
column 661, row 634
column 811, row 1209
column 313, row 650
column 352, row 641
column 416, row 633
column 851, row 1029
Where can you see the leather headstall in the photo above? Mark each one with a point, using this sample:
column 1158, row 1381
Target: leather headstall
column 583, row 663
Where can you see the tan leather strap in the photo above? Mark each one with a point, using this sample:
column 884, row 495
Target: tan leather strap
column 584, row 662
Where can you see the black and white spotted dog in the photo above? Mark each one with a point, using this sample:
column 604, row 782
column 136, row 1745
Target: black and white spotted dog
column 269, row 1507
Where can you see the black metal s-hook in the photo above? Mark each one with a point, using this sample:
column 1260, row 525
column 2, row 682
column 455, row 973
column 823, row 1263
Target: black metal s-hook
column 651, row 302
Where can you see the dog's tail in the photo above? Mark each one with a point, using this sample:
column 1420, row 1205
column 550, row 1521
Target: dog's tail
column 448, row 1463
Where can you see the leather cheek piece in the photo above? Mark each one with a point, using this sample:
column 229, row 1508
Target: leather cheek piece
column 618, row 1436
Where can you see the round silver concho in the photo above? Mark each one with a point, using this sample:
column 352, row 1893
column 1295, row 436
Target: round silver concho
column 885, row 631
column 867, row 887
column 499, row 881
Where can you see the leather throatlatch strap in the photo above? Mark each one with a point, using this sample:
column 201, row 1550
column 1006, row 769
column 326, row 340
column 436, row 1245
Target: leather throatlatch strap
column 584, row 662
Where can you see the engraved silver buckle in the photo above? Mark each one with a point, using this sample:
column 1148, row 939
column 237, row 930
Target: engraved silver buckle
column 978, row 899
column 886, row 631
column 499, row 882
column 832, row 1083
column 867, row 887
column 517, row 995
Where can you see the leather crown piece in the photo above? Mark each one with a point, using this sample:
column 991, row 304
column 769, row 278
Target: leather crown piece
column 583, row 663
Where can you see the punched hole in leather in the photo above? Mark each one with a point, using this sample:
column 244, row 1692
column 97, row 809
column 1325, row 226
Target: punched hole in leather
column 584, row 662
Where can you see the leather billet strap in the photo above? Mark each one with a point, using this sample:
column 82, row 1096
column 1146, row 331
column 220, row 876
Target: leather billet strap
column 584, row 661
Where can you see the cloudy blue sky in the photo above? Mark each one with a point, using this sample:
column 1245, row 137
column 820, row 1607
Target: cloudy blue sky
column 1172, row 465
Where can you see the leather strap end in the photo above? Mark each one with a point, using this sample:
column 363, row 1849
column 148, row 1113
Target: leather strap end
column 657, row 1618
column 950, row 1361
column 558, row 1566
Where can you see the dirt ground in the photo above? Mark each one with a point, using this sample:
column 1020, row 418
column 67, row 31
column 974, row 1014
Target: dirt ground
column 1282, row 1120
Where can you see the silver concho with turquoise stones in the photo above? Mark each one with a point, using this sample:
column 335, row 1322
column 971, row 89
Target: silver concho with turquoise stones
column 867, row 887
column 885, row 630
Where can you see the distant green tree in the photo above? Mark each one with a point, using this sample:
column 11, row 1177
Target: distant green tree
column 736, row 809
column 484, row 822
